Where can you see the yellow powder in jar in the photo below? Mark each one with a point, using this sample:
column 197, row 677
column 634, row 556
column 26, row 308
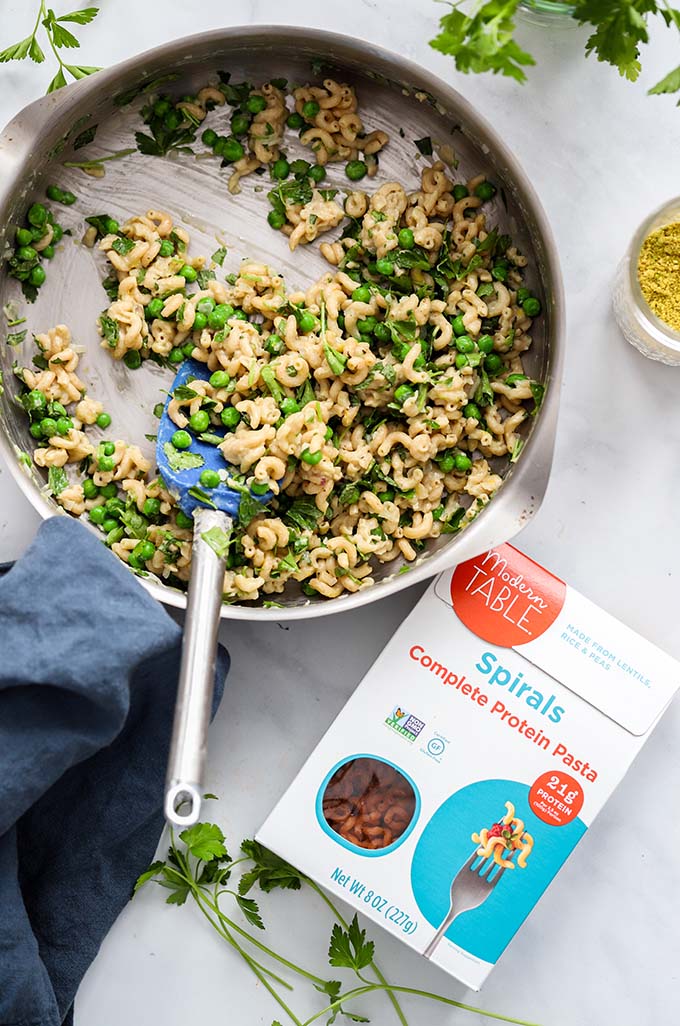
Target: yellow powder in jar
column 659, row 273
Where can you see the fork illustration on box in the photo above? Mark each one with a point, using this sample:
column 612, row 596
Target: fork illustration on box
column 476, row 879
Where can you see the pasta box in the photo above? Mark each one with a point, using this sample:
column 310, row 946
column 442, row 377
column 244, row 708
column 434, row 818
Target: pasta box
column 473, row 757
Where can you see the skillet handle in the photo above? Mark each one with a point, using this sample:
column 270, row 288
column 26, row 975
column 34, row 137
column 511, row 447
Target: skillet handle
column 196, row 676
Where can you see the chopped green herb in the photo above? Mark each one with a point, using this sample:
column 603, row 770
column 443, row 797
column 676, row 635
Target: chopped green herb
column 336, row 361
column 110, row 330
column 16, row 338
column 57, row 480
column 218, row 540
column 219, row 255
column 424, row 146
column 182, row 460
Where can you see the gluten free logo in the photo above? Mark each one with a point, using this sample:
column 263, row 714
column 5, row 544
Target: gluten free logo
column 404, row 723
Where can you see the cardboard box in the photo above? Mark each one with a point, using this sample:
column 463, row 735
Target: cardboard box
column 506, row 708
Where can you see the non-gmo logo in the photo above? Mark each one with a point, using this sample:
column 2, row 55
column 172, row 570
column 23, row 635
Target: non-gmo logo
column 404, row 723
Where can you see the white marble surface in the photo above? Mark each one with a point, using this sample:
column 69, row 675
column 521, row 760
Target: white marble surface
column 603, row 945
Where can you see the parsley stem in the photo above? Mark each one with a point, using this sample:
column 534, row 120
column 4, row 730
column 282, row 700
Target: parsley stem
column 376, row 971
column 263, row 947
column 360, row 991
column 99, row 160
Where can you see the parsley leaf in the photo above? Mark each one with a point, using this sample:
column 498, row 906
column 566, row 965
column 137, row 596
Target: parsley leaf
column 484, row 42
column 153, row 870
column 57, row 480
column 182, row 460
column 424, row 146
column 16, row 338
column 335, row 360
column 110, row 331
column 248, row 509
column 250, row 910
column 303, row 514
column 122, row 245
column 349, row 948
column 619, row 28
column 219, row 255
column 218, row 540
column 205, row 841
column 269, row 871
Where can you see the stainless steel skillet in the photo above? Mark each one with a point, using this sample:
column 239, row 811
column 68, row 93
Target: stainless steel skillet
column 395, row 95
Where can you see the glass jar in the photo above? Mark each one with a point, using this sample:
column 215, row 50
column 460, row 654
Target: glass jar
column 547, row 11
column 639, row 324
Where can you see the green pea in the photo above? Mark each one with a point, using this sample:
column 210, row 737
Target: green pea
column 97, row 515
column 167, row 248
column 184, row 521
column 218, row 317
column 109, row 525
column 485, row 343
column 151, row 507
column 362, row 294
column 154, row 308
column 460, row 192
column 485, row 190
column 473, row 411
column 385, row 267
column 188, row 272
column 176, row 356
column 232, row 149
column 24, row 237
column 90, row 490
column 310, row 109
column 240, row 124
column 161, row 108
column 109, row 491
column 402, row 393
column 239, row 315
column 49, row 427
column 144, row 551
column 218, row 147
column 37, row 276
column 532, row 306
column 458, row 325
column 406, row 238
column 68, row 199
column 188, row 349
column 206, row 305
column 367, row 325
column 329, row 433
column 219, row 379
column 181, row 440
column 312, row 458
column 35, row 401
column 256, row 104
column 259, row 487
column 209, row 478
column 355, row 170
column 56, row 409
column 295, row 121
column 115, row 536
column 382, row 332
column 112, row 226
column 289, row 406
column 57, row 233
column 108, row 448
column 276, row 219
column 199, row 421
column 464, row 344
column 522, row 294
column 132, row 359
column 36, row 429
column 26, row 253
column 48, row 252
column 172, row 120
column 341, row 321
column 300, row 168
column 275, row 345
column 133, row 561
column 461, row 361
column 493, row 363
column 114, row 506
column 230, row 416
column 447, row 463
column 462, row 462
column 499, row 272
column 200, row 322
column 64, row 425
column 37, row 215
column 306, row 322
column 317, row 173
column 280, row 169
column 103, row 420
column 209, row 137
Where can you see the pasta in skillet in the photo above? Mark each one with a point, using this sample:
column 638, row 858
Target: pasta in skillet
column 373, row 404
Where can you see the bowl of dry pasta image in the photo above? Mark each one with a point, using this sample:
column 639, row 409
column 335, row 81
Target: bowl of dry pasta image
column 357, row 259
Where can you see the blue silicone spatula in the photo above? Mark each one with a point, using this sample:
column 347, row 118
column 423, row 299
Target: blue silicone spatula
column 211, row 508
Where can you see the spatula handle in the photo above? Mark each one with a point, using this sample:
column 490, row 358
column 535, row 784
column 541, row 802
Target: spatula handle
column 197, row 675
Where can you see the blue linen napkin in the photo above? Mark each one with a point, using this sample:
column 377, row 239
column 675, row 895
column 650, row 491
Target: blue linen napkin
column 88, row 676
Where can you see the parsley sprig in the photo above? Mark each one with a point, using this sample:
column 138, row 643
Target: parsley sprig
column 59, row 38
column 481, row 36
column 198, row 867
